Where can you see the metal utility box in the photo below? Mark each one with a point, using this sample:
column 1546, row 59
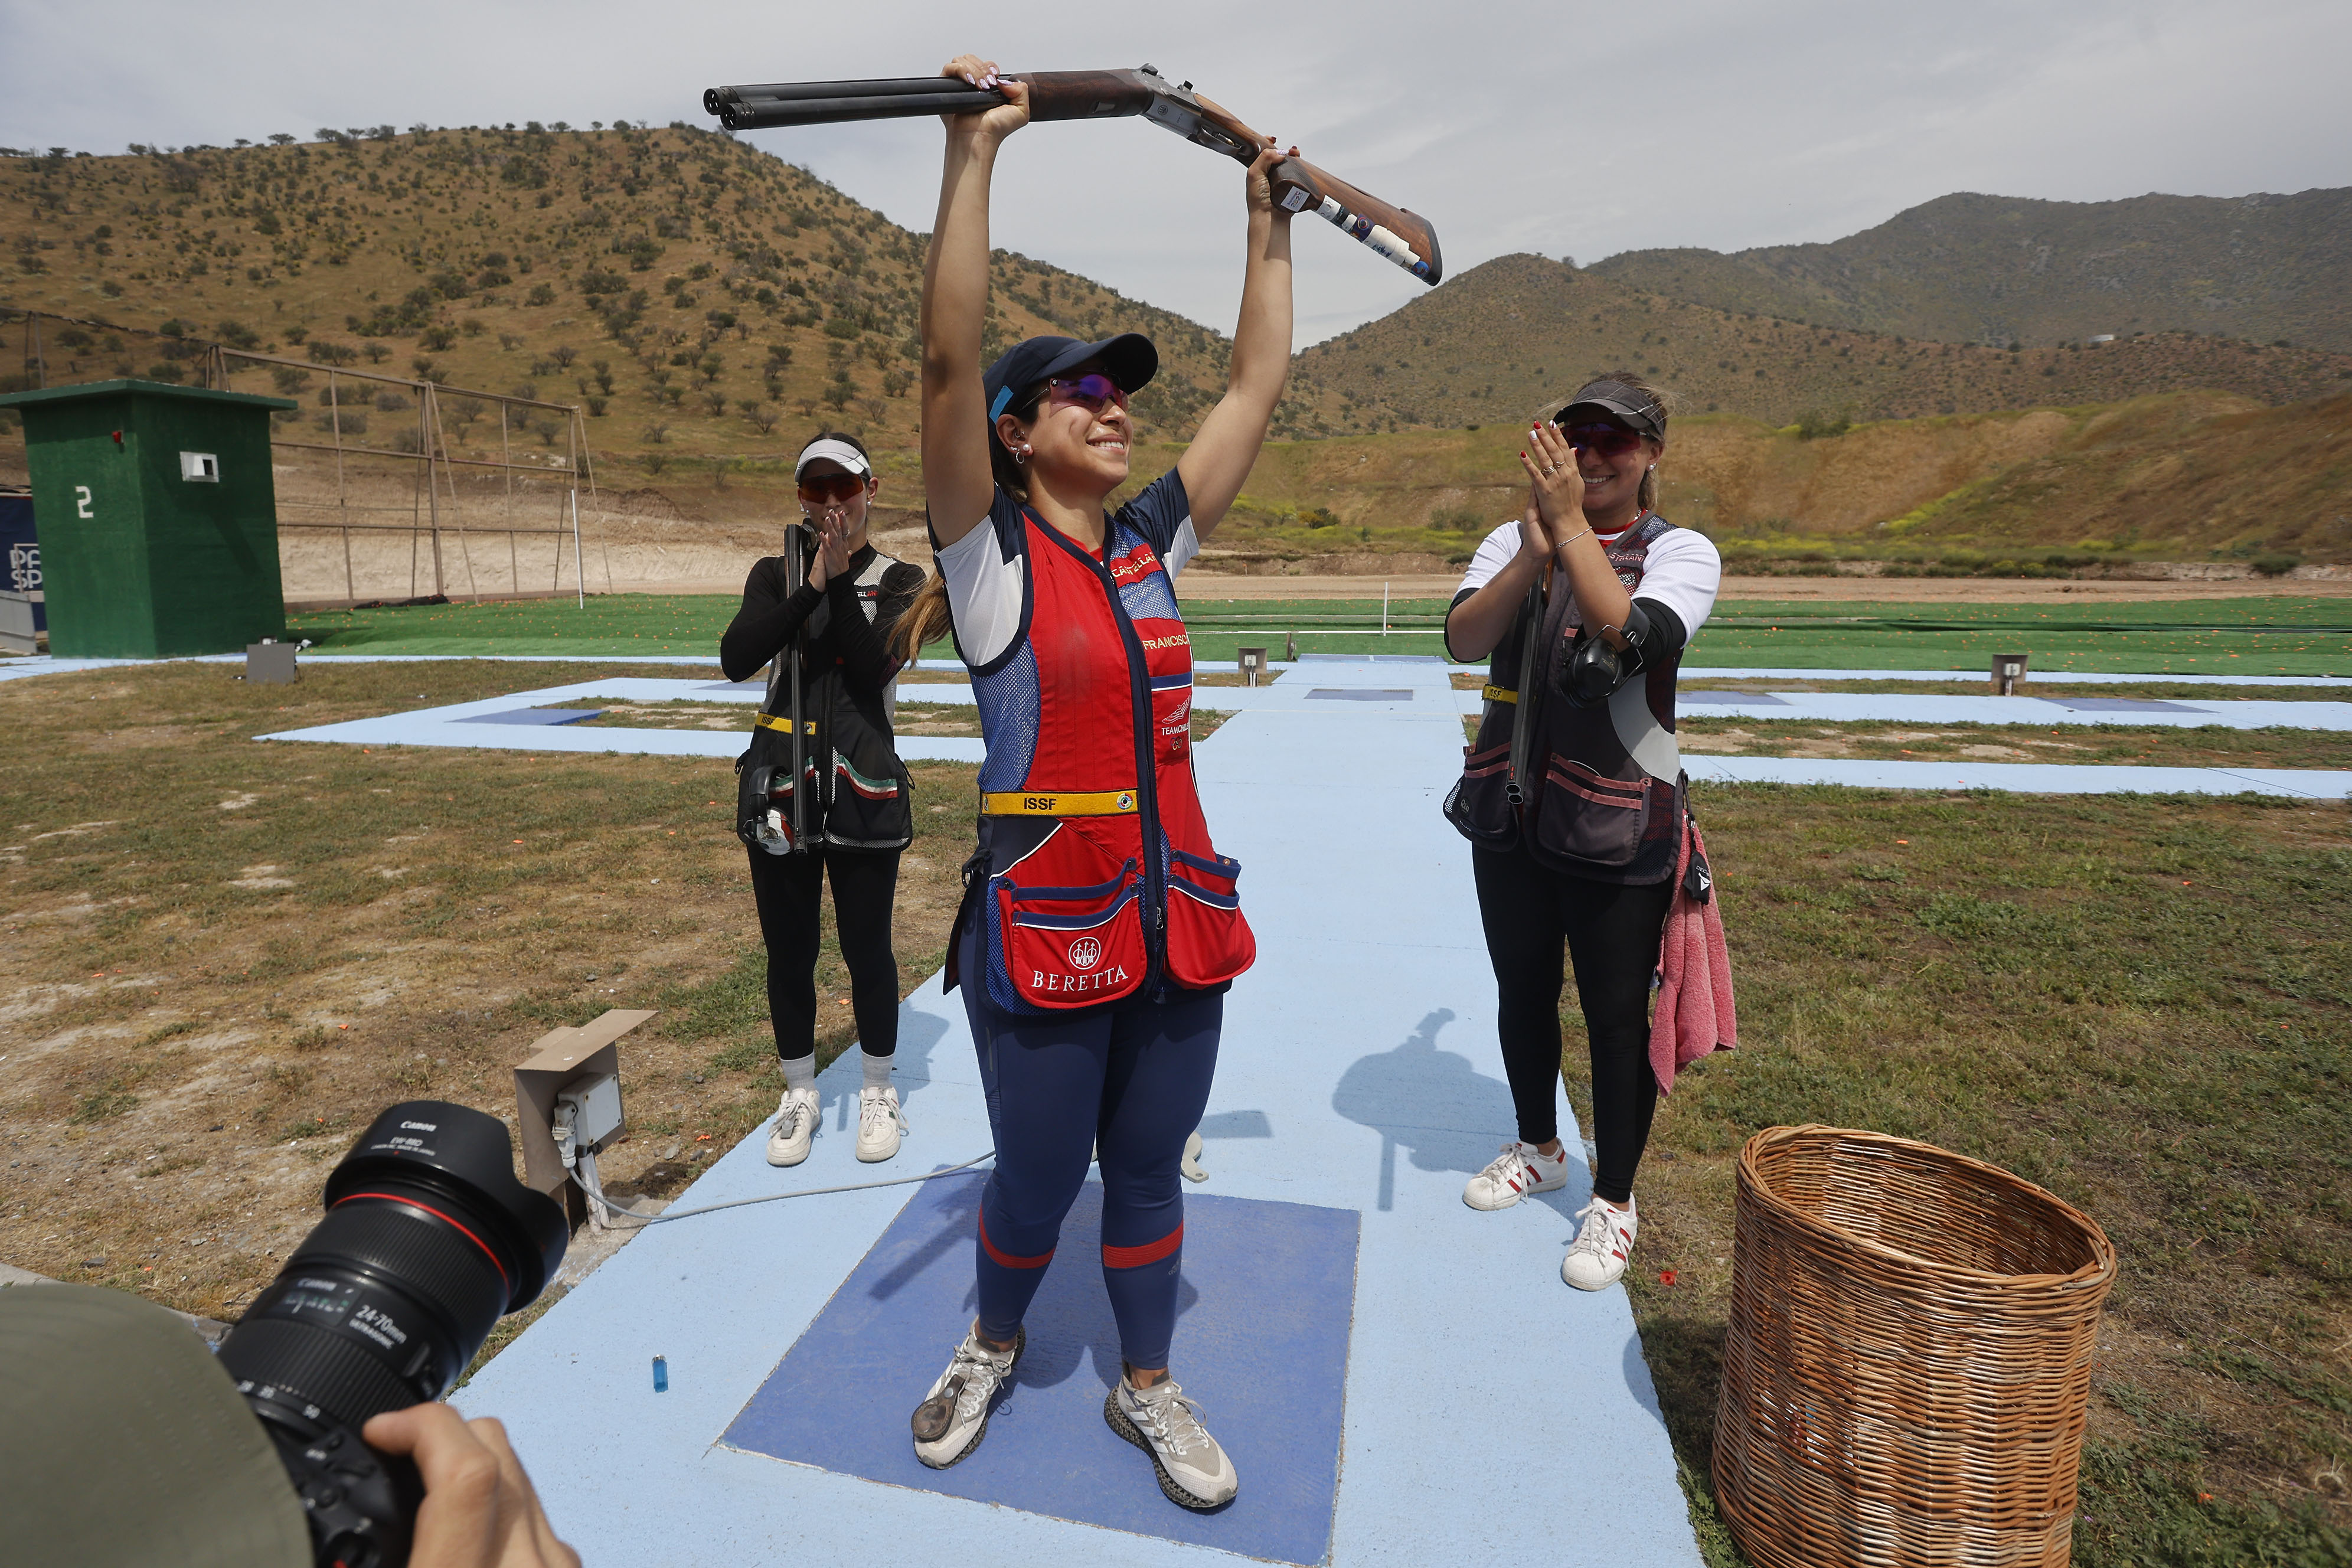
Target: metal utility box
column 159, row 519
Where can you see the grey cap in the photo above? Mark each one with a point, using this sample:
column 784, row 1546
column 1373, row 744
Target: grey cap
column 1638, row 410
column 123, row 1442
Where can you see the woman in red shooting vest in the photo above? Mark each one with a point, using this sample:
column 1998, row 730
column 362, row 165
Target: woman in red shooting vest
column 1100, row 927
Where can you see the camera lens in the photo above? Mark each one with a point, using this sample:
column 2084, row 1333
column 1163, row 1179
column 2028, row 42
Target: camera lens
column 428, row 1241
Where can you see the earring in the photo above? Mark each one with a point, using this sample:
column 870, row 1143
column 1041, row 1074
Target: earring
column 1021, row 453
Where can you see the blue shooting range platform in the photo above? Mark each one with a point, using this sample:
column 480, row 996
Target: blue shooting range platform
column 1376, row 1356
column 1268, row 1292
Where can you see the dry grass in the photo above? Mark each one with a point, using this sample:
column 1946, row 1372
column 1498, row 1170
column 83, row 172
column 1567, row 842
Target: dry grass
column 223, row 957
column 2139, row 1003
column 2206, row 746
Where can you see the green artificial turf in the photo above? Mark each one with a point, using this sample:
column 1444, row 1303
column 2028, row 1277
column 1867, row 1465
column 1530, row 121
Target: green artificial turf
column 2281, row 636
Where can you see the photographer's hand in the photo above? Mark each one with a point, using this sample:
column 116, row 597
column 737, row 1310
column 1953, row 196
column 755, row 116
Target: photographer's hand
column 480, row 1511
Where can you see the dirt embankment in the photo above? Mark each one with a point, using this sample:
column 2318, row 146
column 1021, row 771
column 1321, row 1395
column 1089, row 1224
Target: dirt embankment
column 372, row 535
column 2185, row 477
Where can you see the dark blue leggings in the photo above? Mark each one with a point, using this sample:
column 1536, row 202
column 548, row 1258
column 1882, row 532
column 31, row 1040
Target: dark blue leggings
column 1132, row 1077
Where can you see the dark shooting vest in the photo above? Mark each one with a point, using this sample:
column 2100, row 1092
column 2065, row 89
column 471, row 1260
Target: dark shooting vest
column 1595, row 791
column 856, row 788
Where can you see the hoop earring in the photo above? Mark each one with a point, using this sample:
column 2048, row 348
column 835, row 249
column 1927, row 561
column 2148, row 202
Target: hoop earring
column 1021, row 453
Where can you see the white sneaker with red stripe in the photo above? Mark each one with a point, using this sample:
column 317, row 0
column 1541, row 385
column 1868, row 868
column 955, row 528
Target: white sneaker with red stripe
column 1596, row 1259
column 1519, row 1169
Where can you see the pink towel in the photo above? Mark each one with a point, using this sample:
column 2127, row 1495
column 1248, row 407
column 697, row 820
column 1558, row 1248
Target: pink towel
column 1695, row 1013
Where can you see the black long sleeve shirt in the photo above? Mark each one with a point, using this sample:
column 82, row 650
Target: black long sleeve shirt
column 772, row 616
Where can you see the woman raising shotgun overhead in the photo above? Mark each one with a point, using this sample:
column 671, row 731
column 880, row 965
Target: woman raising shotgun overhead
column 1099, row 928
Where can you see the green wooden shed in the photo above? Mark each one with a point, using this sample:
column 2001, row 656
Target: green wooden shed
column 158, row 518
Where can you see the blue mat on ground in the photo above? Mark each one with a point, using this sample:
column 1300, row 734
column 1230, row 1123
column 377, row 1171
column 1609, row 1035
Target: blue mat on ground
column 1261, row 1341
column 1370, row 658
column 1361, row 694
column 1734, row 699
column 534, row 716
column 2121, row 705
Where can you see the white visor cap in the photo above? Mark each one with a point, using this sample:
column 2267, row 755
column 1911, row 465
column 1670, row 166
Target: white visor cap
column 841, row 452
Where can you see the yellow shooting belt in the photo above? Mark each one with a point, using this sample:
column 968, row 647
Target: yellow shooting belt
column 769, row 722
column 1500, row 694
column 1059, row 802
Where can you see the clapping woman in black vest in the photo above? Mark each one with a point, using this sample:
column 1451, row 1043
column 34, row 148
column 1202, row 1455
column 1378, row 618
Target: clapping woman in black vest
column 1572, row 796
column 822, row 613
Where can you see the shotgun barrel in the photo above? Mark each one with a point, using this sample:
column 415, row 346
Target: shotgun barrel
column 768, row 114
column 889, row 87
column 1400, row 236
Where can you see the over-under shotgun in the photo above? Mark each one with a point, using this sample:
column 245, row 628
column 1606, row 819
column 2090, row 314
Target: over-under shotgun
column 1404, row 237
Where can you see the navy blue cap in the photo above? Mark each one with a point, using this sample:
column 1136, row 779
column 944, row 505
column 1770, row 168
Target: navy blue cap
column 1129, row 359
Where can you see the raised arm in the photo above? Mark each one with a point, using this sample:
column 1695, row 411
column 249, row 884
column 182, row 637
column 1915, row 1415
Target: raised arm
column 1215, row 464
column 956, row 479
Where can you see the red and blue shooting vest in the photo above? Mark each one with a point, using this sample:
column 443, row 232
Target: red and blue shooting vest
column 1095, row 878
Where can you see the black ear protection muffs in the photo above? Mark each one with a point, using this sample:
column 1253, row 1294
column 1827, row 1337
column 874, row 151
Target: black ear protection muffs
column 1591, row 669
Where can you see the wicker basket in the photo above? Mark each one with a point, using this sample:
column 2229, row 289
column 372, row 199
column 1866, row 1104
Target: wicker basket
column 1909, row 1357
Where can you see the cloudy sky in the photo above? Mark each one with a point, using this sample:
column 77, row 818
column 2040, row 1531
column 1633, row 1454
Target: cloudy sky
column 1572, row 129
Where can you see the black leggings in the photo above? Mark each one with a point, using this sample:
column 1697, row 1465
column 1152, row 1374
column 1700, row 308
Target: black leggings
column 788, row 889
column 1611, row 934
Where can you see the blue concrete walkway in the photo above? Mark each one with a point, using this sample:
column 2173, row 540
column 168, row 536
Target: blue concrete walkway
column 1359, row 1073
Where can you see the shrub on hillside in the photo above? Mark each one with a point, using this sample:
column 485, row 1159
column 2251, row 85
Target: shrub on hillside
column 2275, row 565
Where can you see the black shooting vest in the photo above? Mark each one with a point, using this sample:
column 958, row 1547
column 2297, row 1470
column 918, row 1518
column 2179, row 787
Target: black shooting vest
column 856, row 790
column 1595, row 791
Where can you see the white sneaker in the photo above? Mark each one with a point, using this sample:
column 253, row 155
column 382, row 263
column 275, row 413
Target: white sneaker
column 797, row 1115
column 1596, row 1258
column 1192, row 1469
column 880, row 1124
column 1519, row 1169
column 953, row 1417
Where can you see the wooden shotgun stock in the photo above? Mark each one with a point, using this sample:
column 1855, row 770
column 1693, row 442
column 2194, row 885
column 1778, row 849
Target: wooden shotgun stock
column 1403, row 237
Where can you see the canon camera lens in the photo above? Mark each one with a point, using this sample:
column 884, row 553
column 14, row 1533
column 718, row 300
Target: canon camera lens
column 428, row 1241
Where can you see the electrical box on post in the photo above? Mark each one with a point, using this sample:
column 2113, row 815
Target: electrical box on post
column 573, row 1081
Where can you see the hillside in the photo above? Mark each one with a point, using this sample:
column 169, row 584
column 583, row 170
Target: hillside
column 2184, row 477
column 1517, row 334
column 699, row 296
column 1998, row 269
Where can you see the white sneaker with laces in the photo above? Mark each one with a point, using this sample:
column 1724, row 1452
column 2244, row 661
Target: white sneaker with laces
column 797, row 1115
column 1596, row 1258
column 1161, row 1421
column 880, row 1124
column 1519, row 1169
column 953, row 1417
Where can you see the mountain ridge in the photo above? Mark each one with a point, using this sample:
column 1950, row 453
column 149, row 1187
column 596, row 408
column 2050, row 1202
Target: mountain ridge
column 1971, row 267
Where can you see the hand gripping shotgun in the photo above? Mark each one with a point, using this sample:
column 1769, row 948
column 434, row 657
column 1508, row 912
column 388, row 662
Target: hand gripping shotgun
column 1404, row 237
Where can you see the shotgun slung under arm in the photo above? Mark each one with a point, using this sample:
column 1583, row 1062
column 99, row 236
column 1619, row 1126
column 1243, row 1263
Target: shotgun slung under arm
column 1403, row 237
